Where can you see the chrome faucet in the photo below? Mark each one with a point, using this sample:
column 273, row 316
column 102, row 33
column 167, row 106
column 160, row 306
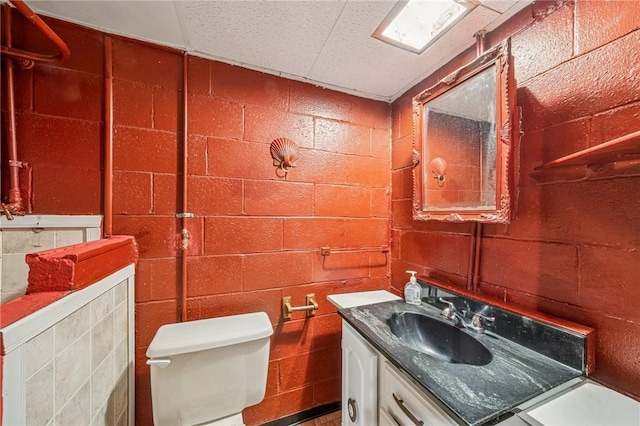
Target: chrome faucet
column 477, row 321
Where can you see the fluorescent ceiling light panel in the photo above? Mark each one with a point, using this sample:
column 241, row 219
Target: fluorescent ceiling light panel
column 412, row 25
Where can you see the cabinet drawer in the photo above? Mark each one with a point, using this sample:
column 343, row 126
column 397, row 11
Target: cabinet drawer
column 387, row 419
column 401, row 403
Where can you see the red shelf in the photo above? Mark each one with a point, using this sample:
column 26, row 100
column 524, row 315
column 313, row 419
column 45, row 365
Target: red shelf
column 618, row 157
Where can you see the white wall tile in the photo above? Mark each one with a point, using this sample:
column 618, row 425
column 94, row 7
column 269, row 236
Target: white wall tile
column 67, row 237
column 121, row 323
column 120, row 395
column 101, row 340
column 71, row 328
column 72, row 369
column 27, row 240
column 14, row 273
column 57, row 365
column 102, row 384
column 104, row 416
column 38, row 351
column 101, row 306
column 121, row 358
column 77, row 411
column 120, row 293
column 124, row 418
column 40, row 388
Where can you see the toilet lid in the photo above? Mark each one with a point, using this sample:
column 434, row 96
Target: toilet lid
column 193, row 336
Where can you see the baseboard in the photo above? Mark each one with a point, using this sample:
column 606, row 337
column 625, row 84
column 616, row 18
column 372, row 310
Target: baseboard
column 304, row 416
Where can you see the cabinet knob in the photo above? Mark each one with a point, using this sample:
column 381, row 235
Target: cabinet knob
column 352, row 410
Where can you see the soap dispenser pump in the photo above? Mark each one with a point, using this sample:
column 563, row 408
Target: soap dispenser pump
column 413, row 290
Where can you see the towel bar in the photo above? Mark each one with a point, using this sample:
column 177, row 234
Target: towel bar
column 310, row 307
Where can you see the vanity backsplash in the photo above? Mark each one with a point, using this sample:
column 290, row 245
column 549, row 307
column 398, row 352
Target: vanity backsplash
column 561, row 344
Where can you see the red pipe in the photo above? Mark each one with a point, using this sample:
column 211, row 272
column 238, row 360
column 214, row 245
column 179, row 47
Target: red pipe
column 15, row 204
column 471, row 257
column 27, row 59
column 476, row 266
column 108, row 137
column 185, row 232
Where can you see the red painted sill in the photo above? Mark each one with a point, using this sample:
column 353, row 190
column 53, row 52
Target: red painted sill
column 54, row 273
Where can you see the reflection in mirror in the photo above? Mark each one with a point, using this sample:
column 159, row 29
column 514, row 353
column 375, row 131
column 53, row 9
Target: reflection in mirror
column 462, row 138
column 462, row 146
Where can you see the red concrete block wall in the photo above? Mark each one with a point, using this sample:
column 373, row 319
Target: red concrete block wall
column 256, row 236
column 59, row 125
column 572, row 249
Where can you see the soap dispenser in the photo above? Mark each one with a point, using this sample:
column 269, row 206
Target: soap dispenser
column 413, row 290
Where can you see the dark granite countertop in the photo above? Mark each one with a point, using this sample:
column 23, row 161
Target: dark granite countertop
column 474, row 395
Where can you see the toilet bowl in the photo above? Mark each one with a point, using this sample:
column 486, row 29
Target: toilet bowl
column 206, row 372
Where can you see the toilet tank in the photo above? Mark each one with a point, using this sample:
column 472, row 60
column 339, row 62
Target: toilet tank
column 205, row 370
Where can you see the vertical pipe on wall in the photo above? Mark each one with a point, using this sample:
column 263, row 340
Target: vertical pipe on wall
column 15, row 198
column 476, row 258
column 471, row 257
column 185, row 232
column 108, row 136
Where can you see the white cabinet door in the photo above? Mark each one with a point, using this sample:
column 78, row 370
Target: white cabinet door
column 359, row 380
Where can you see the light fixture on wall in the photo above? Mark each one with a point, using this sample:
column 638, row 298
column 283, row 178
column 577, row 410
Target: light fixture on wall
column 415, row 24
column 439, row 170
column 285, row 153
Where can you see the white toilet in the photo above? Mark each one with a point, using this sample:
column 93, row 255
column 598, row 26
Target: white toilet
column 206, row 372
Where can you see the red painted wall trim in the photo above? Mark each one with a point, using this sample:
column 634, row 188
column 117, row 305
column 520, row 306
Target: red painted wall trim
column 24, row 306
column 77, row 266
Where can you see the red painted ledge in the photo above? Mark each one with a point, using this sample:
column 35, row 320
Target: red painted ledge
column 23, row 306
column 75, row 267
column 54, row 273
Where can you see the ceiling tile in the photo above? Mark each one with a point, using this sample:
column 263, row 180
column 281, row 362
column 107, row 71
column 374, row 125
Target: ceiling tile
column 284, row 36
column 325, row 42
column 501, row 5
column 154, row 21
column 371, row 66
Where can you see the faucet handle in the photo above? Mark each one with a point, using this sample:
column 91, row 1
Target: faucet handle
column 477, row 322
column 451, row 305
column 449, row 311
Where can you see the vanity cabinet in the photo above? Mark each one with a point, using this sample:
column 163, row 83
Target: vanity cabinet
column 359, row 379
column 374, row 392
column 401, row 403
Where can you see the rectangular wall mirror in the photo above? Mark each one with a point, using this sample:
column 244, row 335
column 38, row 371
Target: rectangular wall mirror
column 463, row 131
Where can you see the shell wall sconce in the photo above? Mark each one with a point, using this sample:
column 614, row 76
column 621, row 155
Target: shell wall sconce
column 285, row 153
column 439, row 170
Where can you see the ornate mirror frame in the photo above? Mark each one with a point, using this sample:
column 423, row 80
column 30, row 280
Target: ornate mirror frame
column 506, row 127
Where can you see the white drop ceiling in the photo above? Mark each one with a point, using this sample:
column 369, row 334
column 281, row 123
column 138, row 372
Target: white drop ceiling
column 324, row 42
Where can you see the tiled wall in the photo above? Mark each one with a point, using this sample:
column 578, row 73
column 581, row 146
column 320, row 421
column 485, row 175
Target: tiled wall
column 572, row 249
column 76, row 371
column 32, row 234
column 255, row 236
